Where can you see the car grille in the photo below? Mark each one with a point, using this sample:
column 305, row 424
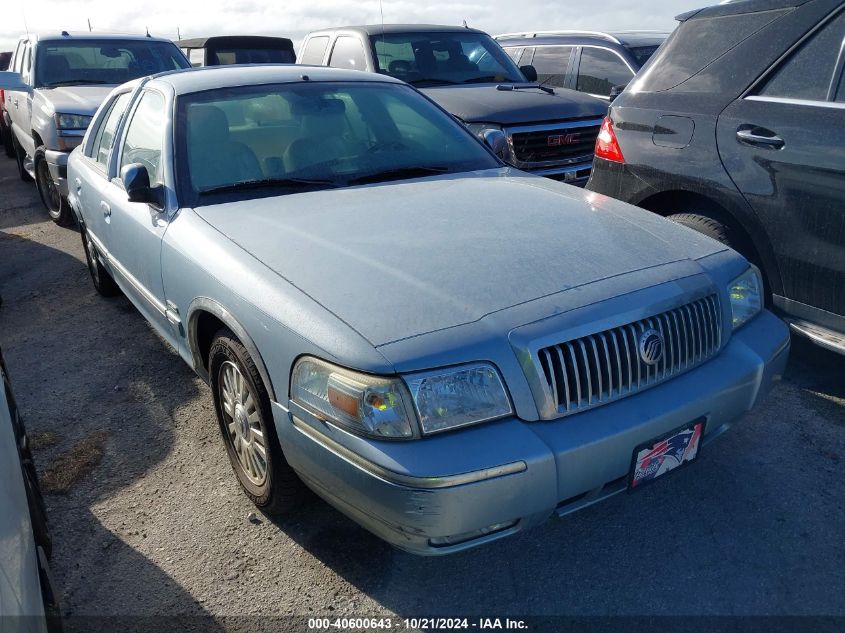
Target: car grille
column 557, row 143
column 605, row 366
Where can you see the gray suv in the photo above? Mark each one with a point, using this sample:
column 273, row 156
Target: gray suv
column 546, row 131
column 54, row 85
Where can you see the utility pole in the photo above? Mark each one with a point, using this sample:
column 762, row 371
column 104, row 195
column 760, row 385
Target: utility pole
column 89, row 25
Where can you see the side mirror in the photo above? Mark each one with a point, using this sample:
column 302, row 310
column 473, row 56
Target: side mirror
column 616, row 91
column 136, row 181
column 12, row 81
column 496, row 141
column 530, row 72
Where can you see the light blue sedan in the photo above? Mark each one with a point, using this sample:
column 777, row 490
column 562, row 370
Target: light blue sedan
column 444, row 348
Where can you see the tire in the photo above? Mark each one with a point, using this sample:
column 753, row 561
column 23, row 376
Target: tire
column 103, row 281
column 727, row 236
column 19, row 158
column 247, row 428
column 8, row 146
column 708, row 226
column 56, row 204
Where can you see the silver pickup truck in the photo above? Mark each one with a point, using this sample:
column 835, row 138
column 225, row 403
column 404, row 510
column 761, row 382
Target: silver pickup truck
column 55, row 83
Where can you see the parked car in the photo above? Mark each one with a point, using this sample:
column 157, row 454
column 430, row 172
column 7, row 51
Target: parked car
column 5, row 129
column 54, row 87
column 600, row 64
column 28, row 600
column 547, row 132
column 351, row 278
column 742, row 139
column 238, row 49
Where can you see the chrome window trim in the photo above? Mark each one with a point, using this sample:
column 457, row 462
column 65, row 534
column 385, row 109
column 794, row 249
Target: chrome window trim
column 836, row 105
column 605, row 48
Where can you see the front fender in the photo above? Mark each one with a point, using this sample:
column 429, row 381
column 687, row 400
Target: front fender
column 204, row 304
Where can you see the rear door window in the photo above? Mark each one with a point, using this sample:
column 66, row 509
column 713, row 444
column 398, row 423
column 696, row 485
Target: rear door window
column 348, row 52
column 600, row 70
column 314, row 50
column 808, row 72
column 551, row 63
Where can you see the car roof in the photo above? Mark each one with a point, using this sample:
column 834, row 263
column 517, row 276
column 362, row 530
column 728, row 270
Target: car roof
column 736, row 7
column 202, row 42
column 73, row 36
column 386, row 29
column 619, row 38
column 190, row 80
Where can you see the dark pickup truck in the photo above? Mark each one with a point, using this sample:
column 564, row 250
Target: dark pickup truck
column 546, row 131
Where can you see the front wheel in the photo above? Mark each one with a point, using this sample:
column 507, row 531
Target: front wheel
column 57, row 205
column 243, row 411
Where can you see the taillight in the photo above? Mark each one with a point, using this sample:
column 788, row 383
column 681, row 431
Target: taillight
column 607, row 146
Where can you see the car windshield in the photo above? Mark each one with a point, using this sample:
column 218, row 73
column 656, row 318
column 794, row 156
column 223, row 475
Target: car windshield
column 265, row 140
column 79, row 62
column 231, row 55
column 643, row 53
column 430, row 59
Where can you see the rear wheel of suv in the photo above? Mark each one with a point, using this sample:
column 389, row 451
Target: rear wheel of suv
column 20, row 154
column 726, row 235
column 242, row 404
column 707, row 226
column 57, row 206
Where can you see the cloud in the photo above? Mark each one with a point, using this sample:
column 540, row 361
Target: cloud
column 295, row 18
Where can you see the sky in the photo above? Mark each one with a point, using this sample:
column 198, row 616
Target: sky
column 295, row 18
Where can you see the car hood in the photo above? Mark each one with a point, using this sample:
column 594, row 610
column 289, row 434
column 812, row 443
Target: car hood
column 487, row 104
column 401, row 259
column 76, row 99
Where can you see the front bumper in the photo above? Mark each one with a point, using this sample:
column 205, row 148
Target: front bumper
column 57, row 162
column 457, row 490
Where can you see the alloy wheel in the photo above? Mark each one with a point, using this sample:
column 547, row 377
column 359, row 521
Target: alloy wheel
column 243, row 426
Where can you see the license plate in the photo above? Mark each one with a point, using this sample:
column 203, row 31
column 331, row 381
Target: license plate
column 665, row 454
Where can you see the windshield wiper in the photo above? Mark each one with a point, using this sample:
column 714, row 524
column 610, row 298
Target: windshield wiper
column 399, row 174
column 435, row 81
column 545, row 89
column 297, row 183
column 76, row 82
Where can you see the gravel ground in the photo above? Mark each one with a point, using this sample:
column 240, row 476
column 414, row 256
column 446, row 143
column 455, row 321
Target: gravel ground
column 159, row 525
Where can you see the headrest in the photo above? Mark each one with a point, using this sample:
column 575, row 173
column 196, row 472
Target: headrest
column 207, row 124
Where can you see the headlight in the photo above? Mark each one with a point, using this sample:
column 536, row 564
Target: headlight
column 72, row 121
column 479, row 129
column 451, row 398
column 746, row 296
column 379, row 407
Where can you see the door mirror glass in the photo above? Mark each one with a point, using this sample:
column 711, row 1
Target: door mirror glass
column 530, row 72
column 12, row 81
column 136, row 181
column 496, row 141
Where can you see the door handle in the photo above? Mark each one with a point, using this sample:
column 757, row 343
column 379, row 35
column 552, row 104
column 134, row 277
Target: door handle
column 106, row 209
column 759, row 137
column 78, row 184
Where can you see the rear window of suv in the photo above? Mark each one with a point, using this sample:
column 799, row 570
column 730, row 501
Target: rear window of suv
column 696, row 44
